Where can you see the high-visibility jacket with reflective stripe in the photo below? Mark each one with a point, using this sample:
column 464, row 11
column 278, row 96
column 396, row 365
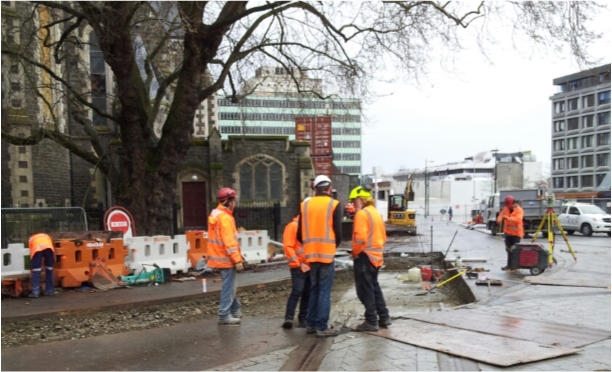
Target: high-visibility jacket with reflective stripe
column 318, row 236
column 223, row 249
column 39, row 242
column 292, row 248
column 513, row 225
column 369, row 235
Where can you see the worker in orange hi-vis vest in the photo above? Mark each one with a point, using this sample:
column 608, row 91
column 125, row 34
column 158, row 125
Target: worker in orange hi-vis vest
column 320, row 232
column 224, row 254
column 369, row 238
column 41, row 249
column 300, row 276
column 512, row 218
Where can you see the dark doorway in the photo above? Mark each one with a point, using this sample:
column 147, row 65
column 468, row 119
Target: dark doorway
column 194, row 206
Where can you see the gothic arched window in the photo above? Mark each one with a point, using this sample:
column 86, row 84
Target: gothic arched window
column 261, row 179
column 97, row 73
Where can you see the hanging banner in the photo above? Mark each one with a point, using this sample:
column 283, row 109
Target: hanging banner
column 120, row 219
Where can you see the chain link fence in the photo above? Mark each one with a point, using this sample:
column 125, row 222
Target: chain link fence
column 18, row 224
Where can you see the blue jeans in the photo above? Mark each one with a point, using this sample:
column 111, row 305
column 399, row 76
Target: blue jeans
column 319, row 305
column 300, row 291
column 368, row 289
column 36, row 265
column 229, row 302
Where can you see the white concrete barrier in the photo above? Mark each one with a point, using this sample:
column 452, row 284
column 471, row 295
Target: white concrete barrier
column 163, row 251
column 13, row 259
column 254, row 245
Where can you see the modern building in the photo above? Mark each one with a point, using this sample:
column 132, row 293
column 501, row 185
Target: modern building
column 581, row 133
column 274, row 103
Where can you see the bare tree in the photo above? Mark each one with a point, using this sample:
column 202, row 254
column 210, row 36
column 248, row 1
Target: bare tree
column 216, row 46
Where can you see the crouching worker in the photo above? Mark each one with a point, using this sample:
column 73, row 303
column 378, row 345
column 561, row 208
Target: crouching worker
column 41, row 248
column 224, row 254
column 300, row 276
column 369, row 238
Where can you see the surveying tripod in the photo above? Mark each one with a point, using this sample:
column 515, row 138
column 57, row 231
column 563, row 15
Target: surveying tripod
column 551, row 219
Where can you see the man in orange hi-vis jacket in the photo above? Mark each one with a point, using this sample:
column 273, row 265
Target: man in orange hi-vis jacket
column 41, row 249
column 512, row 217
column 369, row 237
column 300, row 276
column 224, row 254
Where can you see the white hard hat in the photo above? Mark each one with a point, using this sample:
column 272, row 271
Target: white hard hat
column 321, row 180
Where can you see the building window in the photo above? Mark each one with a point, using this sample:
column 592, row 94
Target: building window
column 572, row 124
column 572, row 181
column 23, row 164
column 587, row 141
column 558, row 164
column 22, row 149
column 604, row 77
column 15, row 87
column 587, row 121
column 16, row 103
column 572, row 104
column 572, row 162
column 588, row 101
column 559, row 107
column 572, row 143
column 599, row 179
column 558, row 182
column 603, row 139
column 558, row 145
column 603, row 160
column 23, row 179
column 260, row 179
column 559, row 126
column 25, row 193
column 586, row 180
column 98, row 79
column 603, row 118
column 587, row 161
column 603, row 98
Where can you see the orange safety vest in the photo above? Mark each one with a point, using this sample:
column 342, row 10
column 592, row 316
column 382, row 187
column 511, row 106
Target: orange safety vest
column 369, row 235
column 223, row 249
column 513, row 225
column 39, row 242
column 318, row 237
column 292, row 248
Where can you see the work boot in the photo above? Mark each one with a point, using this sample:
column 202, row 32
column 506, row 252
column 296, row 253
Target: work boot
column 366, row 327
column 288, row 324
column 237, row 314
column 33, row 295
column 311, row 330
column 230, row 320
column 384, row 323
column 301, row 324
column 328, row 332
column 505, row 268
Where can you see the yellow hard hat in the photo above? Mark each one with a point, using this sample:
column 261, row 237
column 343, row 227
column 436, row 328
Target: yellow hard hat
column 360, row 192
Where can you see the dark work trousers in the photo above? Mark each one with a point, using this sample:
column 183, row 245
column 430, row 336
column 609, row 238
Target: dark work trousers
column 300, row 283
column 36, row 266
column 510, row 240
column 368, row 289
column 319, row 304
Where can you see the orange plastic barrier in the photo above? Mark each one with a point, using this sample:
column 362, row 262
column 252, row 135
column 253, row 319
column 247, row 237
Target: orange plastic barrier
column 73, row 259
column 198, row 245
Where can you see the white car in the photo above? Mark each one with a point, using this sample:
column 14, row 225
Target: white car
column 585, row 218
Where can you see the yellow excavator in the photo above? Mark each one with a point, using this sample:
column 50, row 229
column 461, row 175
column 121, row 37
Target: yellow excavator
column 401, row 219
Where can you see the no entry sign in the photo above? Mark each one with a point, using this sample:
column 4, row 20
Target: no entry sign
column 119, row 219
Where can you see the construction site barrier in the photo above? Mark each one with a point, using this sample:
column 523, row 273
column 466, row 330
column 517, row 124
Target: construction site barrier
column 198, row 246
column 254, row 245
column 163, row 251
column 74, row 256
column 13, row 259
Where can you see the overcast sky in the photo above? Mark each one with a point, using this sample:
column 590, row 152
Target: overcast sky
column 478, row 106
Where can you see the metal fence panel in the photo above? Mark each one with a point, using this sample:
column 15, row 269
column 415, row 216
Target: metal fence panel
column 18, row 224
column 256, row 216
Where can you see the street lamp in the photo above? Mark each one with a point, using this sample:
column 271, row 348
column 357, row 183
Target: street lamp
column 427, row 189
column 495, row 151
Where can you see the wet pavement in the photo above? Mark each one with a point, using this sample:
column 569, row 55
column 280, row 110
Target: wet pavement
column 260, row 344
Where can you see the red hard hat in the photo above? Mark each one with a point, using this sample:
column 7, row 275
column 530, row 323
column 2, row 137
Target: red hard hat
column 509, row 201
column 226, row 193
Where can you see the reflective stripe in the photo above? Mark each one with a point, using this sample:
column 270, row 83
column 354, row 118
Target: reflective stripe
column 39, row 269
column 300, row 251
column 319, row 255
column 219, row 259
column 327, row 238
column 319, row 240
column 49, row 268
column 359, row 241
column 371, row 229
column 292, row 258
column 215, row 242
column 231, row 250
